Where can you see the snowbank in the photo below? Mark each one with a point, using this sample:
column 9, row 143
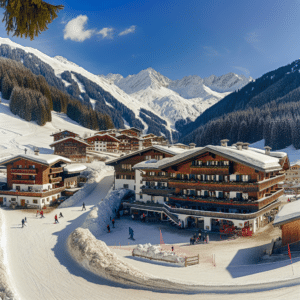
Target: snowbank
column 95, row 256
column 95, row 172
column 5, row 290
column 99, row 216
column 155, row 252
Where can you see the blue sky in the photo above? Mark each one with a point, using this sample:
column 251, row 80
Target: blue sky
column 177, row 37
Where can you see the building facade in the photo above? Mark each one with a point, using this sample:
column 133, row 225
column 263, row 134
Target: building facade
column 63, row 134
column 70, row 147
column 125, row 175
column 34, row 180
column 213, row 185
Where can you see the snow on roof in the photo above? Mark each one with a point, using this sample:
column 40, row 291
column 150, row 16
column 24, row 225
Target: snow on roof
column 274, row 154
column 248, row 156
column 74, row 168
column 63, row 131
column 67, row 138
column 103, row 135
column 46, row 159
column 166, row 149
column 290, row 212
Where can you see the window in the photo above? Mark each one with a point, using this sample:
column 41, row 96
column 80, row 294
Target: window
column 19, row 177
column 126, row 167
column 125, row 186
column 148, row 157
column 29, row 188
column 34, row 201
column 18, row 188
column 152, row 173
column 158, row 157
column 141, row 196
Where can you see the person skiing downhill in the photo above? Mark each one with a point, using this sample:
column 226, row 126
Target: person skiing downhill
column 108, row 228
column 61, row 215
column 55, row 219
column 83, row 206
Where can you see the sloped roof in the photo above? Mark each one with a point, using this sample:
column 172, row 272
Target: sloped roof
column 69, row 138
column 163, row 149
column 250, row 157
column 45, row 159
column 59, row 132
column 74, row 168
column 103, row 135
column 290, row 212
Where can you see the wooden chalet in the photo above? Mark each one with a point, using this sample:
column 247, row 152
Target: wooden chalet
column 104, row 142
column 288, row 220
column 131, row 131
column 63, row 134
column 33, row 180
column 124, row 173
column 129, row 143
column 73, row 148
column 237, row 185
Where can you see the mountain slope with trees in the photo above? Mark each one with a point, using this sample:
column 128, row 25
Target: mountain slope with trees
column 267, row 108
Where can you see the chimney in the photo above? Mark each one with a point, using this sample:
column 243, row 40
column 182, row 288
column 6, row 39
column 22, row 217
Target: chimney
column 245, row 146
column 224, row 143
column 268, row 150
column 36, row 151
column 192, row 145
column 239, row 145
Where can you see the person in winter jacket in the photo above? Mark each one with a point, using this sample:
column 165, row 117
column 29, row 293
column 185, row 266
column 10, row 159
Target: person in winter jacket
column 23, row 223
column 55, row 219
column 83, row 206
column 61, row 215
column 108, row 228
column 42, row 214
column 113, row 222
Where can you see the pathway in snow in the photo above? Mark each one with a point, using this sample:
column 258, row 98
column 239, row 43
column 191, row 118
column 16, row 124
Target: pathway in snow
column 41, row 268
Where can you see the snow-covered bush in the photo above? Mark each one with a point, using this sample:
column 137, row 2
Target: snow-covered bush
column 155, row 252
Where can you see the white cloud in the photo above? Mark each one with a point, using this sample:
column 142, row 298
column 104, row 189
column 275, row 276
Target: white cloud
column 75, row 31
column 131, row 29
column 106, row 32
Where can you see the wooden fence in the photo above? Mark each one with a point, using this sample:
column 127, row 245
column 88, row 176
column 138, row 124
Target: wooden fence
column 191, row 260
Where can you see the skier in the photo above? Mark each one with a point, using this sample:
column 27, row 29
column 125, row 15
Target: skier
column 83, row 206
column 113, row 222
column 108, row 228
column 23, row 223
column 55, row 219
column 172, row 248
column 37, row 213
column 42, row 214
column 61, row 215
column 131, row 233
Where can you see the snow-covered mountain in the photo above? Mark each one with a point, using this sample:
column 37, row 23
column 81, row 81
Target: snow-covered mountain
column 178, row 99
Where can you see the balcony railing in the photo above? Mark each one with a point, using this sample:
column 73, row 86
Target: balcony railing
column 157, row 190
column 55, row 179
column 23, row 171
column 23, row 181
column 56, row 170
column 200, row 213
column 34, row 193
column 210, row 167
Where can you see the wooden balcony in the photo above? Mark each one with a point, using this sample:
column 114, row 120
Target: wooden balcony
column 269, row 198
column 24, row 171
column 55, row 180
column 23, row 181
column 270, row 182
column 56, row 170
column 33, row 193
column 157, row 191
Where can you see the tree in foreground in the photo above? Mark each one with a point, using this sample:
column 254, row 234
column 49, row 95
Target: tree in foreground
column 28, row 17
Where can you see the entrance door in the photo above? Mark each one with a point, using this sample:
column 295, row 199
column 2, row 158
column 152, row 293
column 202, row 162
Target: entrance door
column 22, row 202
column 1, row 200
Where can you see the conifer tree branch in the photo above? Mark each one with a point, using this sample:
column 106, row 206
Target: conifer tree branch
column 28, row 17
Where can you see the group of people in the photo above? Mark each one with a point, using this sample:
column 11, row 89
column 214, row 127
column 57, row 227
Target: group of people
column 196, row 239
column 41, row 213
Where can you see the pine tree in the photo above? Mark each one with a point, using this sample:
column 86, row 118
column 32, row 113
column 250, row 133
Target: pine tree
column 28, row 17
